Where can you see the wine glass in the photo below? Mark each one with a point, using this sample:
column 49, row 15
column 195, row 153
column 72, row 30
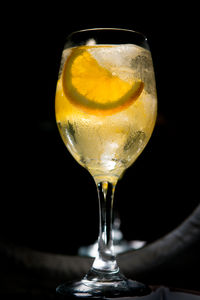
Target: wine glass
column 106, row 108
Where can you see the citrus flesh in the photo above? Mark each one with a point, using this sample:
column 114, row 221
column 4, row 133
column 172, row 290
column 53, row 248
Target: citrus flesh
column 94, row 88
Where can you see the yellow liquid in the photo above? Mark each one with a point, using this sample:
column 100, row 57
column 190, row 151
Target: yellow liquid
column 106, row 145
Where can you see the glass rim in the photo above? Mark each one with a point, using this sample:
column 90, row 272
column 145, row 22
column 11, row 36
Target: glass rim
column 107, row 29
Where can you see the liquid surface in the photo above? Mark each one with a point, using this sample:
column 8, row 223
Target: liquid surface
column 106, row 145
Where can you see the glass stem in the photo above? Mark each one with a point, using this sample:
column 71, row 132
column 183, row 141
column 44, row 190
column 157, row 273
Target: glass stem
column 105, row 260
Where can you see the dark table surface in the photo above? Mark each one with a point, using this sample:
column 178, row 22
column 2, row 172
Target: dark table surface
column 164, row 293
column 158, row 293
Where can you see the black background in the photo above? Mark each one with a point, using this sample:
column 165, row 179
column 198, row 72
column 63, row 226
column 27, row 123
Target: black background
column 48, row 201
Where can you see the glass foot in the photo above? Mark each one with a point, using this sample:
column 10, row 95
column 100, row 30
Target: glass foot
column 100, row 290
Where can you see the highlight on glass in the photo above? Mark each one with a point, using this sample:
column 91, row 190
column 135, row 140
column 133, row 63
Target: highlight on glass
column 106, row 107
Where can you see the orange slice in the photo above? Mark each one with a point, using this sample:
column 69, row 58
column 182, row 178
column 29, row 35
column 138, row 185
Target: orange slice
column 94, row 88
